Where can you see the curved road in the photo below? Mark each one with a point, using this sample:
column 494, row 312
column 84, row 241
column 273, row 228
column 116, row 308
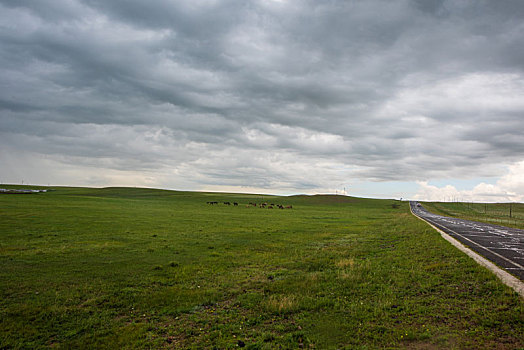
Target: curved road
column 502, row 245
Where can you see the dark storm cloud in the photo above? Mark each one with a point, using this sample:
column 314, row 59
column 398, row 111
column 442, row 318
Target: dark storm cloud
column 259, row 93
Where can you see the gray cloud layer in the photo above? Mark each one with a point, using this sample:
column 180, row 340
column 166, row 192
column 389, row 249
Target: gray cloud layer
column 267, row 94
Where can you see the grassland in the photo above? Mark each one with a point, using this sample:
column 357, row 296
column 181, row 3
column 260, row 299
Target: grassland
column 140, row 268
column 505, row 214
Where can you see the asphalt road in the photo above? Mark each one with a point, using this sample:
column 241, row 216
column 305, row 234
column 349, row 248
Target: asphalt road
column 502, row 245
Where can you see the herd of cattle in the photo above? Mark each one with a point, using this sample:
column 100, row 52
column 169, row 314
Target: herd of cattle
column 261, row 205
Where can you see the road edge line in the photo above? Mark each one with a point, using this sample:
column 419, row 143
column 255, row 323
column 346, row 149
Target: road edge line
column 506, row 278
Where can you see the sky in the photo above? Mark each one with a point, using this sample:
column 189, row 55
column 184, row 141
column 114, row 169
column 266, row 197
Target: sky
column 382, row 99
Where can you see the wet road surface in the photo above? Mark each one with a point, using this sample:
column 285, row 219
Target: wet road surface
column 502, row 245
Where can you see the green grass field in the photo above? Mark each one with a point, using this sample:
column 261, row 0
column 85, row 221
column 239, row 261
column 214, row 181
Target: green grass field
column 504, row 214
column 141, row 268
